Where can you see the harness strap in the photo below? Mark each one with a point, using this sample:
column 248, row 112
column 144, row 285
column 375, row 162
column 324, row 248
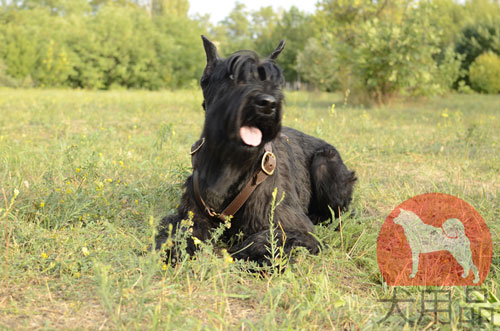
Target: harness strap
column 267, row 167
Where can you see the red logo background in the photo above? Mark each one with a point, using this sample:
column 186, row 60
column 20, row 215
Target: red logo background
column 435, row 268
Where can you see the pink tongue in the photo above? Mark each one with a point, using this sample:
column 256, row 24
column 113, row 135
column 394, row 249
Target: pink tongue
column 251, row 135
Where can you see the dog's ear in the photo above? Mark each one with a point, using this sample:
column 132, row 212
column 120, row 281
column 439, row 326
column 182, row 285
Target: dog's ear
column 211, row 52
column 277, row 51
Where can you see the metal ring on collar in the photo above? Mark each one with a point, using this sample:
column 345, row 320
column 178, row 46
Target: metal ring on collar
column 262, row 164
column 199, row 146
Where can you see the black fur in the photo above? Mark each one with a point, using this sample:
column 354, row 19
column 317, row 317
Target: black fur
column 309, row 171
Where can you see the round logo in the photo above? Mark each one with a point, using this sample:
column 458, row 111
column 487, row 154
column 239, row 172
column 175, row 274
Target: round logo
column 434, row 239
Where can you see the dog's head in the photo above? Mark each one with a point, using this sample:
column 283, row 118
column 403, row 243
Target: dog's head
column 242, row 97
column 406, row 217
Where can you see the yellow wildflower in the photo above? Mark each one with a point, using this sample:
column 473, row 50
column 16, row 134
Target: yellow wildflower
column 227, row 258
column 196, row 241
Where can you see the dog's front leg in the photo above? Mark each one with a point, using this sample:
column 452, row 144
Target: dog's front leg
column 256, row 247
column 177, row 234
column 415, row 255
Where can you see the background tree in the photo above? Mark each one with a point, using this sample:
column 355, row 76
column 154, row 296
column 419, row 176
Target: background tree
column 237, row 30
column 379, row 50
column 100, row 44
column 374, row 49
column 318, row 66
column 296, row 27
column 476, row 39
column 263, row 28
column 172, row 8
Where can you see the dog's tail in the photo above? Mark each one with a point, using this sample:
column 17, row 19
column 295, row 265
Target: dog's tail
column 453, row 228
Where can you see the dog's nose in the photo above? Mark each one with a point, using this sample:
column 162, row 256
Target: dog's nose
column 266, row 103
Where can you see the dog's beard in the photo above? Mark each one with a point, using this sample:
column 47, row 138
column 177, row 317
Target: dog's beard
column 260, row 131
column 256, row 129
column 242, row 124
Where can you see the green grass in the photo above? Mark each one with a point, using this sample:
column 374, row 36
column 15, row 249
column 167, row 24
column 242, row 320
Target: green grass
column 95, row 172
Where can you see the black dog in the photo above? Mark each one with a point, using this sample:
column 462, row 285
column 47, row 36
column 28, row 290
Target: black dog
column 244, row 154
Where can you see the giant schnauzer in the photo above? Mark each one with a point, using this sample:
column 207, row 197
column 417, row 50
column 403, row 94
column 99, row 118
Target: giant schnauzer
column 244, row 154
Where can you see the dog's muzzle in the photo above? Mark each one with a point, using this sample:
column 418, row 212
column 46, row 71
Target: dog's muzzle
column 265, row 104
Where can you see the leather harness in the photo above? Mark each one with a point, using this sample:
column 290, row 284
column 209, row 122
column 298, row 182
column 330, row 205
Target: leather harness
column 267, row 167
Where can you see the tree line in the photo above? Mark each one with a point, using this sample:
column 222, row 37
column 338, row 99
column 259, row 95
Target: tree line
column 371, row 50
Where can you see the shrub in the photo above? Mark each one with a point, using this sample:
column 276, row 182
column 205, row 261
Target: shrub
column 377, row 59
column 48, row 44
column 484, row 73
column 477, row 39
column 5, row 79
column 449, row 69
column 317, row 64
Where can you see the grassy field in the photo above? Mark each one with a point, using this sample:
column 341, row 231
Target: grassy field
column 86, row 176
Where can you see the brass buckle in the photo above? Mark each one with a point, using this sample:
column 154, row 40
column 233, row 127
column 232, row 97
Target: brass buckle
column 198, row 148
column 264, row 158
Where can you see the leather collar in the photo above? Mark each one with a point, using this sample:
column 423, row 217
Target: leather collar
column 267, row 167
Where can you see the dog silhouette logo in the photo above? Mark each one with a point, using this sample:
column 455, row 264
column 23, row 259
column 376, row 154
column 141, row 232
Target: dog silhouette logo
column 425, row 238
column 434, row 239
